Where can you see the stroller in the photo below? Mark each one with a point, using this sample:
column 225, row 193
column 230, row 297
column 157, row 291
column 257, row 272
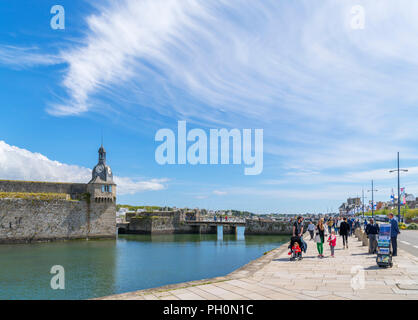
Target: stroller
column 295, row 254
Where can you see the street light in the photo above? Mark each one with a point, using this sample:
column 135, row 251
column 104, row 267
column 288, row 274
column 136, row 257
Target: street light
column 362, row 202
column 399, row 190
column 372, row 199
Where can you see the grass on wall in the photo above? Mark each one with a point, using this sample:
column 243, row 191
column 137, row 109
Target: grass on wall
column 36, row 196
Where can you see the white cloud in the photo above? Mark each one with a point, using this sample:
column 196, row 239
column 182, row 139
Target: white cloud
column 21, row 164
column 220, row 193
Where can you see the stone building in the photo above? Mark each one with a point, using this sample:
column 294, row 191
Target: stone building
column 33, row 211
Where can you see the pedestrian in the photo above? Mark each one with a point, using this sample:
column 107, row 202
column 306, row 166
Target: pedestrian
column 298, row 227
column 332, row 240
column 394, row 231
column 340, row 220
column 357, row 224
column 350, row 223
column 344, row 230
column 311, row 229
column 330, row 223
column 298, row 231
column 319, row 237
column 365, row 224
column 372, row 230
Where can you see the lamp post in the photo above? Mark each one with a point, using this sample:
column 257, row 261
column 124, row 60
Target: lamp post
column 362, row 202
column 399, row 188
column 372, row 191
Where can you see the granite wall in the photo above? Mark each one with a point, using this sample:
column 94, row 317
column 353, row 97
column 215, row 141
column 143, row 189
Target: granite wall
column 31, row 220
column 262, row 227
column 73, row 189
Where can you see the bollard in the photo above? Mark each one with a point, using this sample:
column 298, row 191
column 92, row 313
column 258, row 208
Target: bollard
column 359, row 235
column 365, row 239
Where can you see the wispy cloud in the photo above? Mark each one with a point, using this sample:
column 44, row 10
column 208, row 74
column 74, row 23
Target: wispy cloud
column 23, row 57
column 21, row 164
column 332, row 101
column 240, row 61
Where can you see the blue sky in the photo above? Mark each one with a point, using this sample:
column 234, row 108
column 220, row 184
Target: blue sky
column 335, row 103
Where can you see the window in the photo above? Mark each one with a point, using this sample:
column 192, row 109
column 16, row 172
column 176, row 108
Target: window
column 106, row 188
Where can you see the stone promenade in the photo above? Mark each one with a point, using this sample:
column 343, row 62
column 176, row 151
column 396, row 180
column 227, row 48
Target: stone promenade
column 273, row 276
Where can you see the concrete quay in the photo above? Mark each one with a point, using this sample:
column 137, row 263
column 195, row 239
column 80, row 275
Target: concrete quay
column 351, row 275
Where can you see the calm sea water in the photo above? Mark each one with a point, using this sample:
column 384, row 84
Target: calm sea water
column 132, row 262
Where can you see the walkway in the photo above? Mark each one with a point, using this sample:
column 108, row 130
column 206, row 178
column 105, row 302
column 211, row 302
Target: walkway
column 273, row 276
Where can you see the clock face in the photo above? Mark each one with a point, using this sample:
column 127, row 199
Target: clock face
column 109, row 171
column 99, row 168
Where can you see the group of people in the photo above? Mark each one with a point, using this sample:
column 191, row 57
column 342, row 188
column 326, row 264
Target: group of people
column 345, row 228
column 317, row 233
column 372, row 230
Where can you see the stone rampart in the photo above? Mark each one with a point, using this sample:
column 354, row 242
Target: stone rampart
column 31, row 220
column 265, row 227
column 73, row 189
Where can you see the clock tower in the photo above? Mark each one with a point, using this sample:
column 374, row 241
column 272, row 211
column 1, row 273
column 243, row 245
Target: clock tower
column 102, row 172
column 101, row 186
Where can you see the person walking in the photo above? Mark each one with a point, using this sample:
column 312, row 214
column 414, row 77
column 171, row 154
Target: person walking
column 394, row 231
column 344, row 230
column 311, row 229
column 298, row 232
column 319, row 237
column 330, row 223
column 350, row 223
column 332, row 240
column 340, row 220
column 372, row 230
column 357, row 224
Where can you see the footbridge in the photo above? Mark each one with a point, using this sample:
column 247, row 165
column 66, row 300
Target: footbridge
column 211, row 226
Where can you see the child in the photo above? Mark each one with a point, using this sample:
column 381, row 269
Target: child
column 296, row 249
column 332, row 239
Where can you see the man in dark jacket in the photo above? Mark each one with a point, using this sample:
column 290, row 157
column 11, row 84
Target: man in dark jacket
column 350, row 223
column 344, row 230
column 394, row 231
column 298, row 232
column 372, row 230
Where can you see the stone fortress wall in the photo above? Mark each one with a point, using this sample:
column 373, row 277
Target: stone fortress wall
column 162, row 222
column 46, row 211
column 73, row 189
